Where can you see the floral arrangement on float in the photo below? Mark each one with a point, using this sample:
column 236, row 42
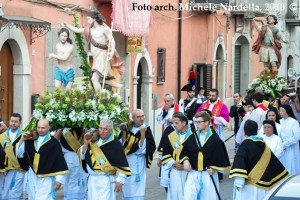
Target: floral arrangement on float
column 271, row 86
column 79, row 108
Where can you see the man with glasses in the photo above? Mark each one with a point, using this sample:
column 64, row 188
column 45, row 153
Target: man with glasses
column 139, row 147
column 203, row 153
column 102, row 159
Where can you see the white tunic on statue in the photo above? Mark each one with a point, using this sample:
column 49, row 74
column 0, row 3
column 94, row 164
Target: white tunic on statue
column 135, row 185
column 199, row 184
column 290, row 136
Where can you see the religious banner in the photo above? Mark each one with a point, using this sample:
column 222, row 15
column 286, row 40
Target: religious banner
column 130, row 17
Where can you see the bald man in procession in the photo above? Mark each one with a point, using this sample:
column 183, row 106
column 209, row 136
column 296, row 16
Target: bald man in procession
column 139, row 147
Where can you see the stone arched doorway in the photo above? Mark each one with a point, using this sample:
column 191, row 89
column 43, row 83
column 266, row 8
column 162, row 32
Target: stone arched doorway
column 219, row 67
column 241, row 63
column 21, row 70
column 143, row 85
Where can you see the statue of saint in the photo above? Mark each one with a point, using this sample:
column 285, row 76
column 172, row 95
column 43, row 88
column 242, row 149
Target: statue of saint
column 268, row 45
column 100, row 37
column 63, row 72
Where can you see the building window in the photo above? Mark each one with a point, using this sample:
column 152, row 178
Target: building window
column 161, row 64
column 204, row 76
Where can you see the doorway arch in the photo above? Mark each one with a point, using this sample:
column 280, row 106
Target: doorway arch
column 219, row 67
column 241, row 64
column 16, row 40
column 142, row 84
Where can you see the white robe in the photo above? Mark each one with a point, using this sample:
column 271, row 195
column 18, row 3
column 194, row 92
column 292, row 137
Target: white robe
column 177, row 180
column 76, row 180
column 101, row 184
column 39, row 188
column 135, row 185
column 12, row 185
column 258, row 115
column 164, row 121
column 199, row 185
column 248, row 192
column 290, row 136
column 274, row 142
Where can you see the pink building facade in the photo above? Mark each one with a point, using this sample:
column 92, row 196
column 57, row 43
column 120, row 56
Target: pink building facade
column 215, row 44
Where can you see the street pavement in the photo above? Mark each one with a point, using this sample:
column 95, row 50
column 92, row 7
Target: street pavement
column 155, row 192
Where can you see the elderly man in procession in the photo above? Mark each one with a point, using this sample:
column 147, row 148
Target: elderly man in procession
column 105, row 162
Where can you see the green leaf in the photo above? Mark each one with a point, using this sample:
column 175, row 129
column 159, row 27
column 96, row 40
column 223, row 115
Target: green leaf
column 272, row 93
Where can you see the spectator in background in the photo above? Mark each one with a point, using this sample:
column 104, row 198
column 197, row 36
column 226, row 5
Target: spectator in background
column 190, row 104
column 292, row 83
column 295, row 105
column 273, row 115
column 164, row 115
column 237, row 112
column 259, row 113
column 201, row 94
column 248, row 107
column 285, row 99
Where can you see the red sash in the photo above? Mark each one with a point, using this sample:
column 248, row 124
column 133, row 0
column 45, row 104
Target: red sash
column 176, row 108
column 216, row 109
column 264, row 108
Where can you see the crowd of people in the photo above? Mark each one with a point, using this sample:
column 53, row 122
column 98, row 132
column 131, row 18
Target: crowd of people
column 191, row 153
column 267, row 136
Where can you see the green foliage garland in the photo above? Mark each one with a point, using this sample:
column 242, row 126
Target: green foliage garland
column 79, row 40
